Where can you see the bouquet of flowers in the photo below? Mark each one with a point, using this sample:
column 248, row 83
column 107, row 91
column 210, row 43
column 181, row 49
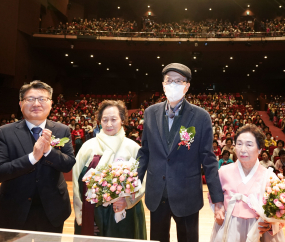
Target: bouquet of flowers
column 272, row 208
column 107, row 184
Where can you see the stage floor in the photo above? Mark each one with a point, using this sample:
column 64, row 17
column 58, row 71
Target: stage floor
column 206, row 219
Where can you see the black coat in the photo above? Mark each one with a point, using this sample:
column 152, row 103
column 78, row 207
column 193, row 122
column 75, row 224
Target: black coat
column 20, row 179
column 179, row 169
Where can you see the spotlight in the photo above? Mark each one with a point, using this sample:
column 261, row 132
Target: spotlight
column 162, row 65
column 253, row 70
column 119, row 7
column 195, row 70
column 91, row 56
column 283, row 70
column 265, row 57
column 210, row 9
column 158, row 57
column 71, row 46
column 280, row 6
column 227, row 66
column 248, row 6
column 99, row 63
column 185, row 9
column 224, row 70
column 247, row 74
column 127, row 58
column 137, row 69
column 146, row 74
column 256, row 65
column 66, row 54
column 148, row 6
column 231, row 57
column 130, row 64
column 194, row 57
column 71, row 62
column 107, row 69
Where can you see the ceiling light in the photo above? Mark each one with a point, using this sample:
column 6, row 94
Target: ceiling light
column 253, row 70
column 185, row 9
column 280, row 6
column 265, row 57
column 127, row 58
column 247, row 74
column 130, row 64
column 148, row 6
column 231, row 57
column 119, row 7
column 66, row 54
column 227, row 66
column 194, row 57
column 71, row 62
column 99, row 63
column 256, row 65
column 137, row 69
column 210, row 9
column 146, row 74
column 162, row 65
column 248, row 6
column 283, row 70
column 195, row 70
column 158, row 57
column 224, row 70
column 91, row 56
column 107, row 69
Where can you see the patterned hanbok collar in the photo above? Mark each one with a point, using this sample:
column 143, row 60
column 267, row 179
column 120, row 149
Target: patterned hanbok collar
column 246, row 179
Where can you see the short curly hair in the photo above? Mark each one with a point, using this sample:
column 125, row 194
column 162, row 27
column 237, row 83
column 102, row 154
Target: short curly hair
column 252, row 128
column 123, row 112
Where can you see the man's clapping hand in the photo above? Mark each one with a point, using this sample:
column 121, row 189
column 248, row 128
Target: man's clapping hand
column 42, row 145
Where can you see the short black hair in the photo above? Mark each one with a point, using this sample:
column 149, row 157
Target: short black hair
column 264, row 151
column 215, row 141
column 225, row 152
column 229, row 139
column 280, row 141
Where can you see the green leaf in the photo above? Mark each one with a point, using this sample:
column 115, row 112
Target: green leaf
column 191, row 130
column 182, row 128
column 63, row 141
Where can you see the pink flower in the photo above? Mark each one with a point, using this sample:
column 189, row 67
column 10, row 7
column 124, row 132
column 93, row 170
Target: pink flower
column 108, row 198
column 128, row 190
column 277, row 203
column 278, row 214
column 97, row 189
column 112, row 188
column 119, row 187
column 84, row 179
column 282, row 197
column 268, row 189
column 118, row 173
column 117, row 192
column 95, row 200
column 264, row 200
column 128, row 186
column 130, row 179
column 126, row 171
column 282, row 207
column 276, row 188
column 97, row 178
column 104, row 183
column 115, row 180
column 131, row 174
column 105, row 196
column 122, row 178
column 282, row 211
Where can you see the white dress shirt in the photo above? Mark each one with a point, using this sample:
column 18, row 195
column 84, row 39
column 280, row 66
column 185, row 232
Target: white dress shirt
column 42, row 126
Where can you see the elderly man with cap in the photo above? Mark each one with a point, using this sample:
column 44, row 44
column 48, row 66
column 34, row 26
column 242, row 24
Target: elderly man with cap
column 174, row 184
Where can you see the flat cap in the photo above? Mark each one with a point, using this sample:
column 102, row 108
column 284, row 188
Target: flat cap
column 177, row 67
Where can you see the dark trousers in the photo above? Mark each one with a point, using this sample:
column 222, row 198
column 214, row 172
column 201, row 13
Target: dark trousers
column 187, row 227
column 38, row 221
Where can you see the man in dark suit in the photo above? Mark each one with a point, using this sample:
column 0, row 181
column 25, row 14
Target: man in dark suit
column 33, row 193
column 174, row 184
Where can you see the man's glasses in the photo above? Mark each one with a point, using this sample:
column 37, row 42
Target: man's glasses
column 33, row 99
column 176, row 81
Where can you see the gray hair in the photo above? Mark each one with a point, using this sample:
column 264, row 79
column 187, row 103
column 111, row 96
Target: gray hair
column 35, row 85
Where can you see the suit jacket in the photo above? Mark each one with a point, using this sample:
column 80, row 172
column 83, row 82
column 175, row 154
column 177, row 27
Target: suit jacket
column 178, row 170
column 21, row 180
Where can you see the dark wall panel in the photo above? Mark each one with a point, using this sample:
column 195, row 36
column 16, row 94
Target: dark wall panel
column 8, row 35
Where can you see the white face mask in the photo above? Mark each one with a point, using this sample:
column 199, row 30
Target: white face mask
column 174, row 92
